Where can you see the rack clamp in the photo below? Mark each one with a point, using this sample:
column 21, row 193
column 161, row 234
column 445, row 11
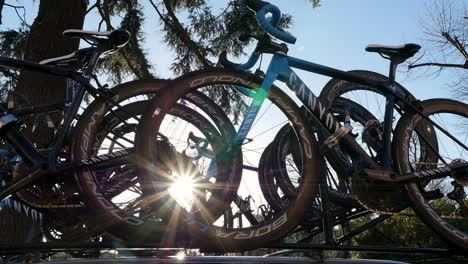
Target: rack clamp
column 335, row 138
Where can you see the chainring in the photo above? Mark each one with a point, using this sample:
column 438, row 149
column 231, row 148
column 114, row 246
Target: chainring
column 379, row 197
column 47, row 194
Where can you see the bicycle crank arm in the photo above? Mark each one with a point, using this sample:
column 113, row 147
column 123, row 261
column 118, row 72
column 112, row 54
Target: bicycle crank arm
column 105, row 161
column 20, row 182
column 122, row 157
column 458, row 171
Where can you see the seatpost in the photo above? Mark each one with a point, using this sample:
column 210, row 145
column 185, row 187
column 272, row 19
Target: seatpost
column 75, row 104
column 389, row 112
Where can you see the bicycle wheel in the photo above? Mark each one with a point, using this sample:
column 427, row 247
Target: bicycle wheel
column 441, row 203
column 381, row 197
column 114, row 191
column 370, row 98
column 283, row 156
column 359, row 93
column 102, row 129
column 124, row 190
column 236, row 194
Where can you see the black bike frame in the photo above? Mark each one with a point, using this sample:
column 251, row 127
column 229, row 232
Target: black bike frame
column 29, row 154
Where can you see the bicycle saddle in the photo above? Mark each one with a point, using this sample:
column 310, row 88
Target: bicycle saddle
column 114, row 40
column 69, row 59
column 398, row 53
column 117, row 38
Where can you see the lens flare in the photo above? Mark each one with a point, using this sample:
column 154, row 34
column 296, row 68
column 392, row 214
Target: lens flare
column 182, row 189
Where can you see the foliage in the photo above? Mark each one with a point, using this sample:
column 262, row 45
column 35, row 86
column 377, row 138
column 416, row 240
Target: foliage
column 315, row 3
column 191, row 28
column 132, row 58
column 12, row 44
column 404, row 230
column 445, row 27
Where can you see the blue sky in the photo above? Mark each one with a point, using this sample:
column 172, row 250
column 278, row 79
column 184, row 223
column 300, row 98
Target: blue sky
column 334, row 34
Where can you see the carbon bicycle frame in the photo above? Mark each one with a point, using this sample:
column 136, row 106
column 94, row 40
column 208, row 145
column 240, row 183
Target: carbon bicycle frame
column 40, row 164
column 280, row 68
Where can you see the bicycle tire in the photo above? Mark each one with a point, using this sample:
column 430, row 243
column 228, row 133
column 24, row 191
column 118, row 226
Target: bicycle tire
column 117, row 223
column 391, row 199
column 340, row 106
column 247, row 238
column 420, row 205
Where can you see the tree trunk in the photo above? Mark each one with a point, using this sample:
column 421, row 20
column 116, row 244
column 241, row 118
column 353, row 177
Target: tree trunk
column 45, row 41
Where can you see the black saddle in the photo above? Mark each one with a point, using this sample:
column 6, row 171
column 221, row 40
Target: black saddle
column 110, row 40
column 397, row 54
column 117, row 38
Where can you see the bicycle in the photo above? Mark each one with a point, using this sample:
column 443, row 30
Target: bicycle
column 273, row 226
column 46, row 182
column 97, row 170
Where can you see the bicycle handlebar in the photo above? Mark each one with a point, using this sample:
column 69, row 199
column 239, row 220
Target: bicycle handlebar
column 223, row 60
column 263, row 8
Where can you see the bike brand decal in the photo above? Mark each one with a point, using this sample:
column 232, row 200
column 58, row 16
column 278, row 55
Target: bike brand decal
column 20, row 208
column 335, row 89
column 244, row 235
column 254, row 233
column 247, row 123
column 301, row 127
column 263, row 231
column 314, row 104
column 105, row 157
column 92, row 124
column 250, row 119
column 89, row 178
column 217, row 78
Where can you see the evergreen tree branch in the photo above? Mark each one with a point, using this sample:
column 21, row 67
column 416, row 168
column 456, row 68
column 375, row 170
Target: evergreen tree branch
column 131, row 66
column 183, row 34
column 133, row 53
column 8, row 73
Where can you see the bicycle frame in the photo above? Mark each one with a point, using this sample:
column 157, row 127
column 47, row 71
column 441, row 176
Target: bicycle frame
column 39, row 164
column 280, row 68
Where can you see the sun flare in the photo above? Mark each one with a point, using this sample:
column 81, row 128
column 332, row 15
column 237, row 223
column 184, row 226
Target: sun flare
column 182, row 189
